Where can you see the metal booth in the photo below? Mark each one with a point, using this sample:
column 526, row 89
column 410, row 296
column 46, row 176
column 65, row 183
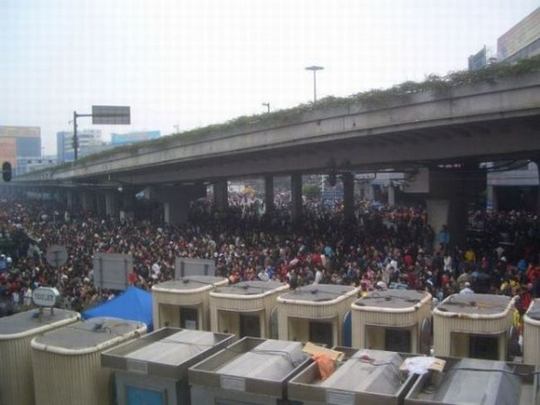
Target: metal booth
column 473, row 325
column 394, row 320
column 153, row 370
column 16, row 333
column 244, row 309
column 184, row 303
column 67, row 361
column 531, row 334
column 315, row 313
column 473, row 381
column 251, row 371
column 363, row 377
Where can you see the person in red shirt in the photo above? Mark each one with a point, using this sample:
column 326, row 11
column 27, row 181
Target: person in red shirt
column 533, row 273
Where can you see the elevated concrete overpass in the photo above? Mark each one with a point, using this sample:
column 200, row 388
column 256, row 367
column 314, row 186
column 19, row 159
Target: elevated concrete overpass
column 492, row 120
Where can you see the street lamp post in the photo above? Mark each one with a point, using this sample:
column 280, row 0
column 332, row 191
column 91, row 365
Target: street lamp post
column 314, row 69
column 267, row 105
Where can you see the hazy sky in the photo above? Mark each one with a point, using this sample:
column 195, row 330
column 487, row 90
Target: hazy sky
column 192, row 63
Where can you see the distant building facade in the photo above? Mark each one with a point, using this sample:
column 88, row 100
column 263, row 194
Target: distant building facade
column 133, row 137
column 89, row 142
column 522, row 40
column 17, row 142
column 484, row 57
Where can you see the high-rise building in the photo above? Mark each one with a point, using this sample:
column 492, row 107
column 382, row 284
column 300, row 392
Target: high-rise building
column 133, row 137
column 522, row 40
column 89, row 142
column 18, row 142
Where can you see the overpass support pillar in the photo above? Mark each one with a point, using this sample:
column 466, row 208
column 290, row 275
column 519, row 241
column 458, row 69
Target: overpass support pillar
column 112, row 204
column 348, row 195
column 391, row 195
column 537, row 162
column 221, row 195
column 296, row 197
column 70, row 200
column 269, row 193
column 127, row 204
column 87, row 201
column 176, row 202
column 451, row 193
column 491, row 198
column 367, row 190
column 100, row 205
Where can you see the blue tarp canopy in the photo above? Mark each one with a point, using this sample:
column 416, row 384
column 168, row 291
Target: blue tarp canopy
column 134, row 305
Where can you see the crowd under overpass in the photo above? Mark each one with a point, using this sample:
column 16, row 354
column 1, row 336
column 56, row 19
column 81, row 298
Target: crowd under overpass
column 489, row 121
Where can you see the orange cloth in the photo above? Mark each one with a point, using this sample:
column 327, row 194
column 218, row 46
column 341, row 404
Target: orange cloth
column 326, row 365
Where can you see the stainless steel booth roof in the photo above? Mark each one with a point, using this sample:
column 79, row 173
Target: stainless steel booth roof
column 88, row 334
column 392, row 298
column 481, row 304
column 249, row 288
column 167, row 352
column 190, row 283
column 374, row 371
column 472, row 381
column 318, row 293
column 31, row 320
column 271, row 360
column 254, row 365
column 365, row 377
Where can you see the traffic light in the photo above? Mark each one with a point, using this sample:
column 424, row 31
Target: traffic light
column 6, row 171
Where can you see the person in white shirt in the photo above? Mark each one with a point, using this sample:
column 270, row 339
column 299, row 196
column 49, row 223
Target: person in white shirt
column 318, row 276
column 467, row 289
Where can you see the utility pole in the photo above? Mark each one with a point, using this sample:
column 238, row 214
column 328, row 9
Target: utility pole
column 75, row 138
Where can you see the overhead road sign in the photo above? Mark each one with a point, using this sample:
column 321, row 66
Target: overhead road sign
column 111, row 115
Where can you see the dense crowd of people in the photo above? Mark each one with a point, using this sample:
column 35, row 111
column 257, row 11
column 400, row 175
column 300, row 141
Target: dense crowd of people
column 383, row 247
